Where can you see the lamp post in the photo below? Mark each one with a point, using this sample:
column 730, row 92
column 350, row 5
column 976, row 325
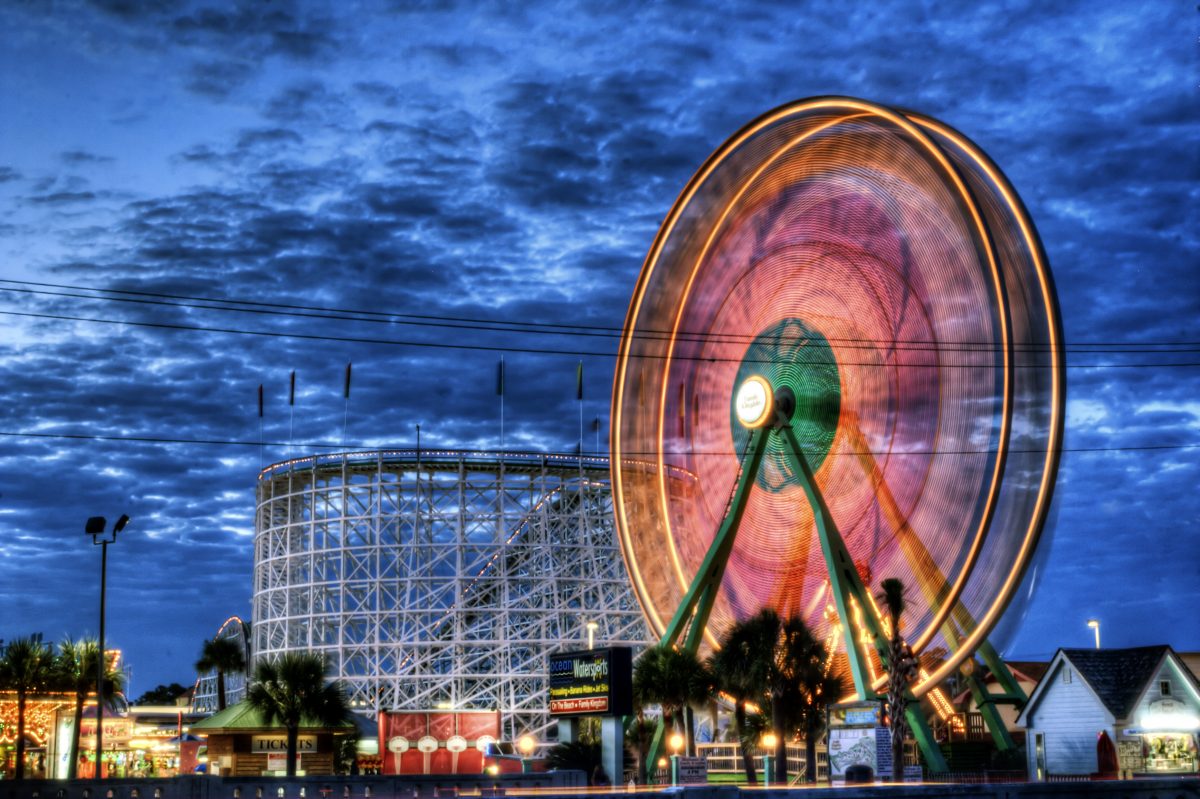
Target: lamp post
column 591, row 628
column 768, row 743
column 95, row 528
column 525, row 745
column 676, row 743
column 1095, row 625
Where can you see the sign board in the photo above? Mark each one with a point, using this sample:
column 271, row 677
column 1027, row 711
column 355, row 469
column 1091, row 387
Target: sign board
column 856, row 714
column 1129, row 755
column 693, row 771
column 115, row 730
column 277, row 761
column 595, row 682
column 278, row 743
column 851, row 746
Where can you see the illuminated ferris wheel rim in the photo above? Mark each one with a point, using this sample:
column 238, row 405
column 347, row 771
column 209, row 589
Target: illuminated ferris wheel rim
column 857, row 110
column 920, row 130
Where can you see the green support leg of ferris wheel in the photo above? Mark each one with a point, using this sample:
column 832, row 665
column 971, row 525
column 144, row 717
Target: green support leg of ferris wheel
column 697, row 604
column 845, row 583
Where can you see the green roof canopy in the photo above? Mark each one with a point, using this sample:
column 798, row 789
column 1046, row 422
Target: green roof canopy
column 244, row 718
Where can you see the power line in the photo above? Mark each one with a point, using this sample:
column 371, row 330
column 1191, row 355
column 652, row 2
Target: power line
column 701, row 453
column 521, row 327
column 539, row 350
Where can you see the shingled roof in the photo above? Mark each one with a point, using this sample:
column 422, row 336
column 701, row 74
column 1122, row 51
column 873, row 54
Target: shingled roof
column 244, row 718
column 1118, row 676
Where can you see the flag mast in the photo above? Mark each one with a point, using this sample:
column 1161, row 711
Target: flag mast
column 500, row 391
column 579, row 397
column 291, row 411
column 346, row 396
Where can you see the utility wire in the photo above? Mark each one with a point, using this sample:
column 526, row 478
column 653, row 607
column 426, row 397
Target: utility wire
column 702, row 453
column 544, row 350
column 493, row 325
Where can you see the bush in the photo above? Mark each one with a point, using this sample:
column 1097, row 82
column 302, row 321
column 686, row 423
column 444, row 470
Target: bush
column 577, row 756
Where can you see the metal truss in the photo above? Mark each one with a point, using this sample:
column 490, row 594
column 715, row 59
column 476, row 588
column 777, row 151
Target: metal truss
column 204, row 697
column 441, row 579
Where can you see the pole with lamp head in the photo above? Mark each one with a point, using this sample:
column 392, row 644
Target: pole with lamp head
column 676, row 743
column 526, row 745
column 768, row 744
column 95, row 528
column 591, row 631
column 1095, row 625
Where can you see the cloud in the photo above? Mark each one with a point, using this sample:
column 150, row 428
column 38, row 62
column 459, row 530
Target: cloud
column 267, row 29
column 63, row 198
column 219, row 79
column 79, row 157
column 440, row 165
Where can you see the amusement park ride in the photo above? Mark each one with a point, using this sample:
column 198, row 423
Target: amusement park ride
column 842, row 362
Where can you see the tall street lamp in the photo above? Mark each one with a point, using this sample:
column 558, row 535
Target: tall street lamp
column 95, row 528
column 1095, row 625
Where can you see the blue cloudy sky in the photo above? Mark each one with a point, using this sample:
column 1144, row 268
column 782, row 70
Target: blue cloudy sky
column 511, row 163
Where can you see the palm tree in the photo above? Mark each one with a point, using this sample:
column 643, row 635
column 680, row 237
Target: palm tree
column 740, row 670
column 26, row 667
column 793, row 649
column 785, row 663
column 222, row 655
column 673, row 679
column 816, row 687
column 900, row 668
column 769, row 643
column 639, row 731
column 75, row 672
column 294, row 689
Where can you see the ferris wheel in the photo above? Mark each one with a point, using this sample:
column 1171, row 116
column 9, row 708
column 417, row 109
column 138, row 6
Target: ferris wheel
column 842, row 362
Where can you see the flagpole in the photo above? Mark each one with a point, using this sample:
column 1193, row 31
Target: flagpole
column 579, row 396
column 261, row 460
column 291, row 411
column 500, row 391
column 346, row 396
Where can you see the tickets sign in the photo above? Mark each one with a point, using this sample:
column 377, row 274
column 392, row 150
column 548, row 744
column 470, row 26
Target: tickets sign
column 595, row 682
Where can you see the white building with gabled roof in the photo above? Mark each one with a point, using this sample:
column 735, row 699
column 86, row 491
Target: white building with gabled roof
column 1145, row 699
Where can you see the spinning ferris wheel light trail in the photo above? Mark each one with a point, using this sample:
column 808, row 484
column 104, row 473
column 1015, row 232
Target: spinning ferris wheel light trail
column 836, row 265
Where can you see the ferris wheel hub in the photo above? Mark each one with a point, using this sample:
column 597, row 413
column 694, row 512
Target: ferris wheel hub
column 785, row 406
column 754, row 404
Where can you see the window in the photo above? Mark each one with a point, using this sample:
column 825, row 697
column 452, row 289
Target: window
column 1066, row 674
column 1164, row 687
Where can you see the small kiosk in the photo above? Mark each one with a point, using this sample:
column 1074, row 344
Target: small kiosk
column 240, row 744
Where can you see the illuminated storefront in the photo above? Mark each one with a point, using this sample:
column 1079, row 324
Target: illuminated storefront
column 143, row 741
column 1165, row 736
column 40, row 712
